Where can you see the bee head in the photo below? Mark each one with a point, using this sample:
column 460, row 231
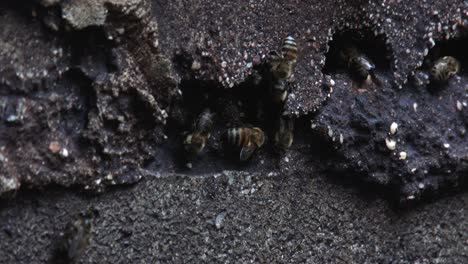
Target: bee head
column 453, row 64
column 194, row 143
column 258, row 136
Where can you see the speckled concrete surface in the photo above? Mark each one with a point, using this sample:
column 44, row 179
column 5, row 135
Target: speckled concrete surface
column 237, row 218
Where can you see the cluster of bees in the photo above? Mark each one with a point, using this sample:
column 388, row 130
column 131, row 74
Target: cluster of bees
column 248, row 139
column 362, row 68
column 279, row 68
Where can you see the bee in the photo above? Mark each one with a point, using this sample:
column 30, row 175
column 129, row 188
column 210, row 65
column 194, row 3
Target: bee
column 195, row 142
column 285, row 134
column 248, row 138
column 445, row 68
column 357, row 63
column 282, row 66
column 279, row 92
column 76, row 237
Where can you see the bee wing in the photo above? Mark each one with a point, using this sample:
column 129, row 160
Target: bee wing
column 274, row 55
column 366, row 62
column 247, row 151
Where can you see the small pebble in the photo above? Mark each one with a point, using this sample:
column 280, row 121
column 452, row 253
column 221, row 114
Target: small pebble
column 64, row 153
column 403, row 155
column 446, row 145
column 54, row 147
column 459, row 106
column 462, row 131
column 330, row 132
column 196, row 66
column 391, row 144
column 393, row 128
column 220, row 219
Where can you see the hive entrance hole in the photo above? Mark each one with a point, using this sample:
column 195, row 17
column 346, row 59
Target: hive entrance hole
column 236, row 107
column 374, row 47
column 453, row 47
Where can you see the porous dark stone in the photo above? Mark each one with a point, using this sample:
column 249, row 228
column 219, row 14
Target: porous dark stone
column 98, row 92
column 268, row 218
column 97, row 96
column 103, row 80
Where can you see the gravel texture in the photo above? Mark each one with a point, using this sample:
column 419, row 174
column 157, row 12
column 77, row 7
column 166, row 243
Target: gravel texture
column 235, row 217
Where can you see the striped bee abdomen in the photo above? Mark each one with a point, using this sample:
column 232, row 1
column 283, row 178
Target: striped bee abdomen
column 238, row 136
column 289, row 48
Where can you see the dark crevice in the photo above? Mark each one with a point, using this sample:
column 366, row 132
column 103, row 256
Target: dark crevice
column 92, row 51
column 452, row 47
column 310, row 149
column 242, row 106
column 455, row 48
column 366, row 43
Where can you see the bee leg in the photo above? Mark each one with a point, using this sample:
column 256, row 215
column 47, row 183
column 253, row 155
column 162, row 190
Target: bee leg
column 246, row 152
column 368, row 80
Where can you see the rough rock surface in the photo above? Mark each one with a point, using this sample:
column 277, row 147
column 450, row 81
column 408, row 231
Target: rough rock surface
column 80, row 103
column 96, row 93
column 237, row 217
column 89, row 98
column 224, row 40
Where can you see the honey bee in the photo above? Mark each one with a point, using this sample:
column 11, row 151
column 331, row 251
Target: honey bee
column 279, row 92
column 249, row 139
column 445, row 68
column 285, row 134
column 282, row 66
column 76, row 237
column 195, row 142
column 357, row 63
